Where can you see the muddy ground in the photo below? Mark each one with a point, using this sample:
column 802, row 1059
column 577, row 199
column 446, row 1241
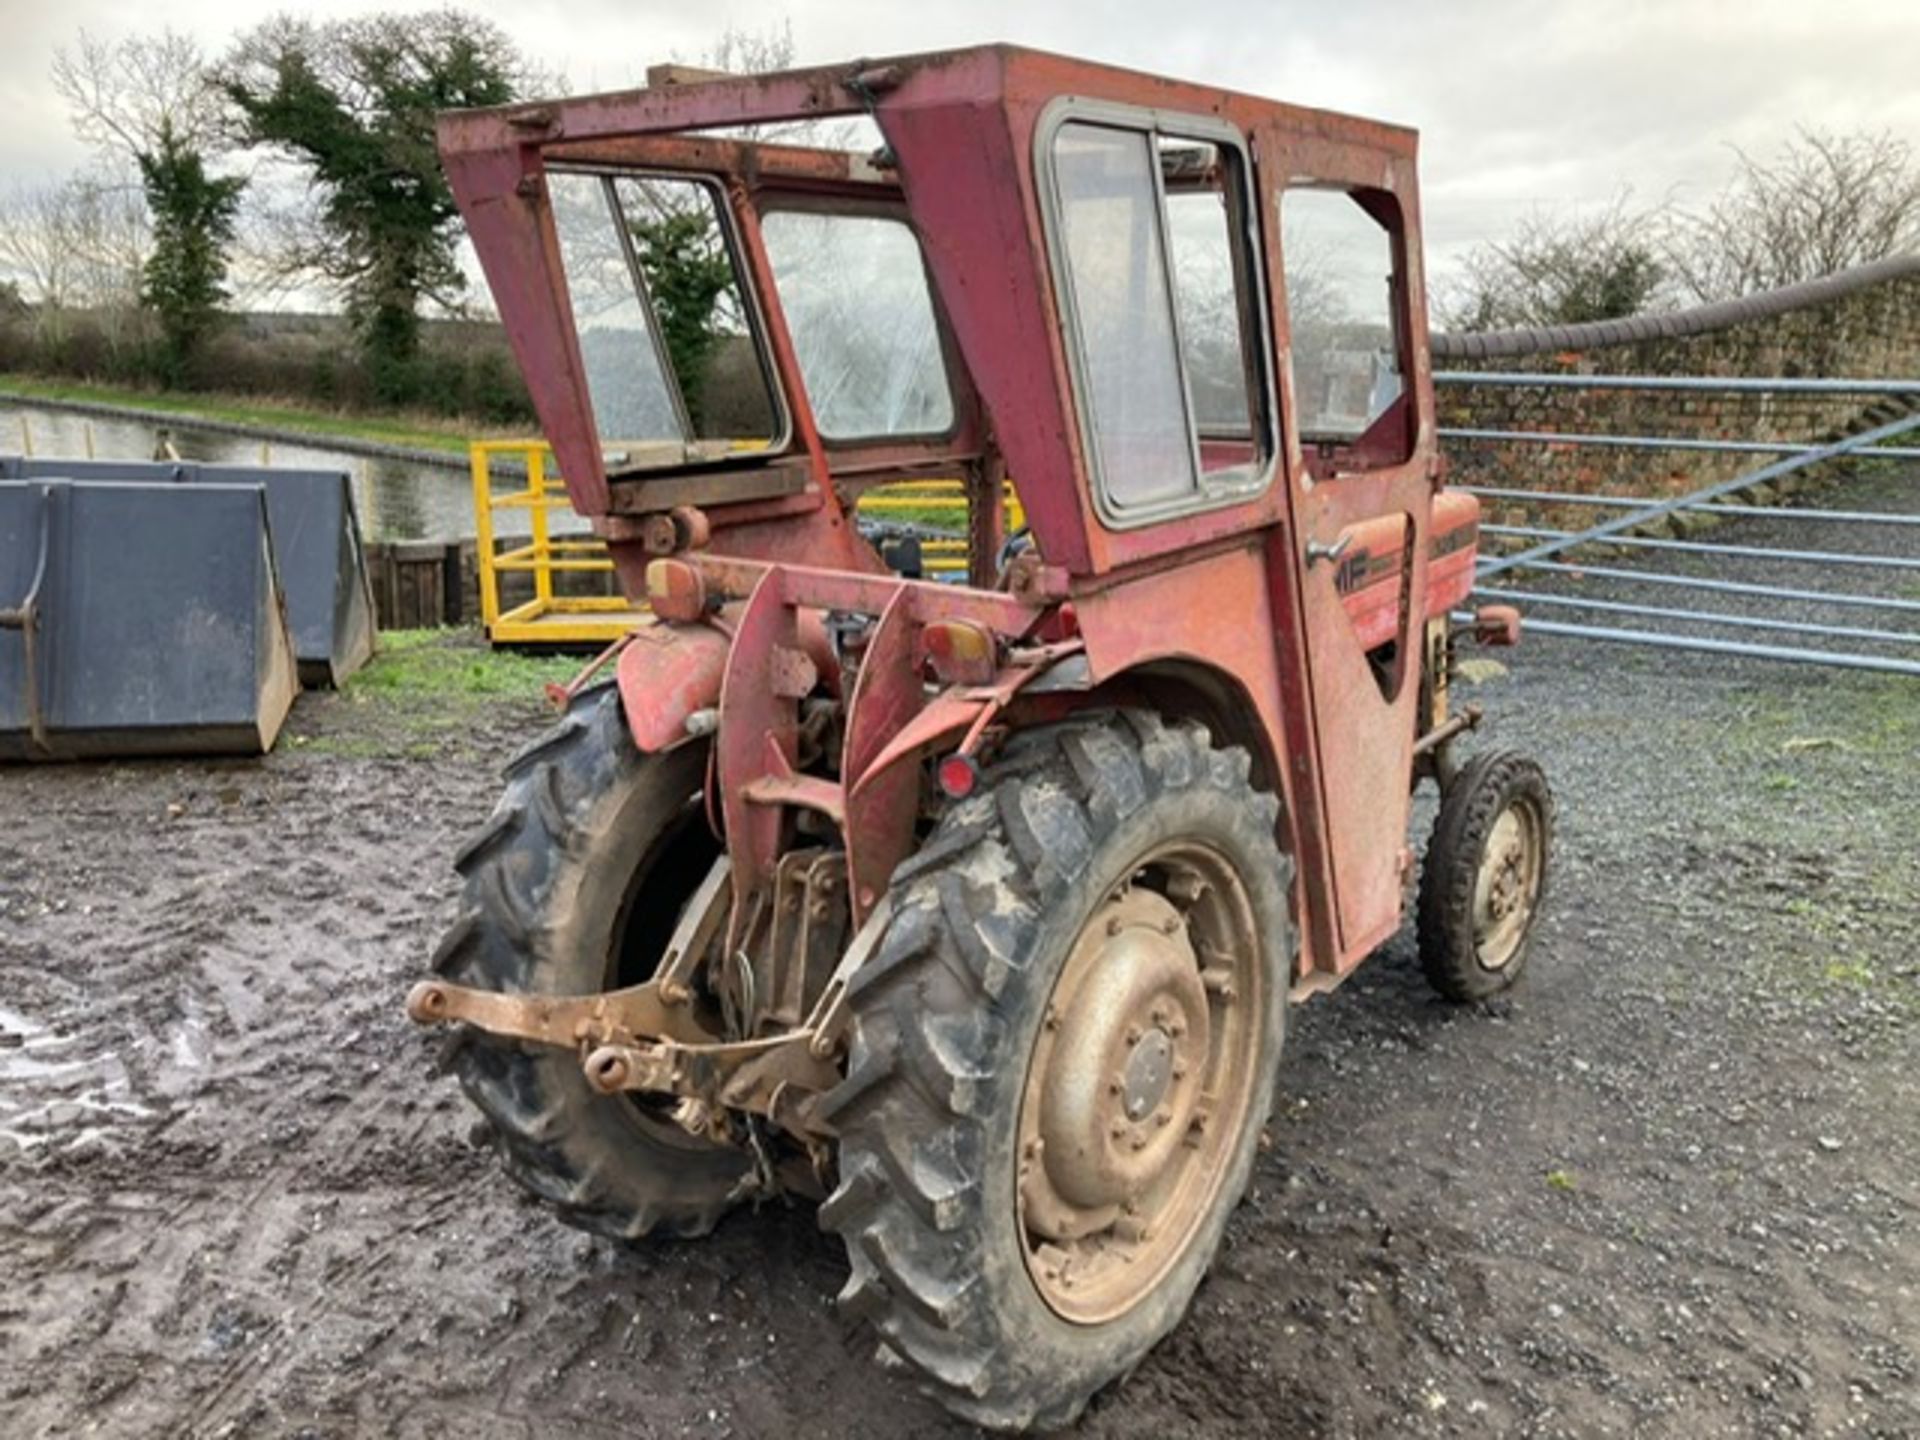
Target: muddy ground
column 1671, row 1186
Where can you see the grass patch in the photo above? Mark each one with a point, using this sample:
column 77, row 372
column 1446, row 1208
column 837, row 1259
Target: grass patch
column 429, row 694
column 1858, row 713
column 1855, row 974
column 423, row 432
column 932, row 514
column 456, row 665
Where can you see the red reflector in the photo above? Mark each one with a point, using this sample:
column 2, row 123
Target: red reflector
column 958, row 776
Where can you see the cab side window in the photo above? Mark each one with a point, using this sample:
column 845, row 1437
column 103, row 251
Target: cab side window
column 1345, row 307
column 1162, row 309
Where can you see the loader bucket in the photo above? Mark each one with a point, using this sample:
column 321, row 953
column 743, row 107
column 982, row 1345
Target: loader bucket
column 139, row 619
column 316, row 547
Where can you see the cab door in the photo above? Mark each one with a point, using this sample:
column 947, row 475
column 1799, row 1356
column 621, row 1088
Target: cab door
column 1361, row 474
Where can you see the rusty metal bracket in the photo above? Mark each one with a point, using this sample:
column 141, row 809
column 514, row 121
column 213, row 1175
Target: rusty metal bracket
column 568, row 1021
column 780, row 1077
column 645, row 1037
column 1024, row 664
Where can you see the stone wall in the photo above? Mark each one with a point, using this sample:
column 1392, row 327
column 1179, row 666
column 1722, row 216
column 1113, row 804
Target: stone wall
column 1863, row 322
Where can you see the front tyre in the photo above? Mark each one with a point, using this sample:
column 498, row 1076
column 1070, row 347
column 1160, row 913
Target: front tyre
column 1063, row 1051
column 1485, row 876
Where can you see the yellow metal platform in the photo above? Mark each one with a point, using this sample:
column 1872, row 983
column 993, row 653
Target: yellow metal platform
column 547, row 618
column 552, row 618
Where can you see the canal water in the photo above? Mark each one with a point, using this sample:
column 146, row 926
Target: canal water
column 396, row 499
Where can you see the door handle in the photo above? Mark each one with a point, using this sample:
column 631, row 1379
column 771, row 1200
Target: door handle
column 1317, row 552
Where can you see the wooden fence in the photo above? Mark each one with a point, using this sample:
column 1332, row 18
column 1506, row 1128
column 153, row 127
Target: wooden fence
column 424, row 584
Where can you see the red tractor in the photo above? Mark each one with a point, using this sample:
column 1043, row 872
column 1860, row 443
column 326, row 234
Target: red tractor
column 972, row 910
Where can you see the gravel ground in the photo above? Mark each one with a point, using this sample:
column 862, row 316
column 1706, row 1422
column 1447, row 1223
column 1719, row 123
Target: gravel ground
column 1669, row 1186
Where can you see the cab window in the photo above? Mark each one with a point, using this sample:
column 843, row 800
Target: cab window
column 853, row 289
column 676, row 368
column 1347, row 338
column 1161, row 306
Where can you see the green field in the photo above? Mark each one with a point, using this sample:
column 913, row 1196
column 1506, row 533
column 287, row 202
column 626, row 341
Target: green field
column 421, row 432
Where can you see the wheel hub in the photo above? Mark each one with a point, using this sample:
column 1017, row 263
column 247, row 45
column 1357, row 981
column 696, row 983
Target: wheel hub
column 1119, row 1086
column 1137, row 1081
column 1149, row 1069
column 1506, row 887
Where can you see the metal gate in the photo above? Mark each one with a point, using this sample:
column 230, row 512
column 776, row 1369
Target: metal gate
column 1868, row 572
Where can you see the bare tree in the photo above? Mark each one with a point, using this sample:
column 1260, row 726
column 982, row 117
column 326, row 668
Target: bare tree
column 127, row 94
column 75, row 243
column 36, row 248
column 1562, row 270
column 111, row 237
column 762, row 52
column 1822, row 203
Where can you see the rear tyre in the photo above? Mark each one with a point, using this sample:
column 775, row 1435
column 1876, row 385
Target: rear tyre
column 1063, row 1051
column 573, row 886
column 1485, row 876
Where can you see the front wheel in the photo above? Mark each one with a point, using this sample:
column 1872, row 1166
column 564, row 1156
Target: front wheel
column 1485, row 876
column 1062, row 1055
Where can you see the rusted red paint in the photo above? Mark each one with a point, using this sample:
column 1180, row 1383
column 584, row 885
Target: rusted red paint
column 665, row 674
column 758, row 735
column 881, row 800
column 1227, row 597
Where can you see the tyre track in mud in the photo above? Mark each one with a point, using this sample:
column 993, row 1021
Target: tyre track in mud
column 1667, row 1187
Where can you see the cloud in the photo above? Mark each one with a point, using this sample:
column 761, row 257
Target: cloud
column 1522, row 104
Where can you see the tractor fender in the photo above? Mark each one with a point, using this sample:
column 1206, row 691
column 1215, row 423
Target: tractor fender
column 666, row 673
column 1183, row 686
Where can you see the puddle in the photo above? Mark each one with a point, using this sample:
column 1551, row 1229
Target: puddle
column 52, row 1093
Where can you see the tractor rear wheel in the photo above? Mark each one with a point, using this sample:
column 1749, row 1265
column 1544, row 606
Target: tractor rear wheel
column 1485, row 876
column 572, row 887
column 1063, row 1052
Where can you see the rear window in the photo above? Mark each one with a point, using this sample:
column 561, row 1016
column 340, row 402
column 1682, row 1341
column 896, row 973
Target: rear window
column 676, row 368
column 853, row 289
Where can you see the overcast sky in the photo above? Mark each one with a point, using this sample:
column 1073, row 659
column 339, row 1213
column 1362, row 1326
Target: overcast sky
column 1521, row 104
